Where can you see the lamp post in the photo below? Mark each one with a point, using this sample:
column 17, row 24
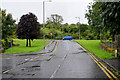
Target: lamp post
column 79, row 26
column 62, row 32
column 44, row 20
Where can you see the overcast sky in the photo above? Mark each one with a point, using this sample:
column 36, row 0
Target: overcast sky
column 68, row 9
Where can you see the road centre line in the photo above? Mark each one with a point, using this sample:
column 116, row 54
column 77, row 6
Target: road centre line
column 53, row 75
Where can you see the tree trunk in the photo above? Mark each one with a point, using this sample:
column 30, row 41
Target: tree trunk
column 27, row 43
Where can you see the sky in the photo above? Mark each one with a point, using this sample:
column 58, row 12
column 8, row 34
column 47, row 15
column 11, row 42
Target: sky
column 68, row 9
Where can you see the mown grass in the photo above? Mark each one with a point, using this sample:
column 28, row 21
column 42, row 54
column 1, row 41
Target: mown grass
column 37, row 45
column 93, row 47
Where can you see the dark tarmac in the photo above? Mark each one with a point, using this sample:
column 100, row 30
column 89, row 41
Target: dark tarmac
column 67, row 60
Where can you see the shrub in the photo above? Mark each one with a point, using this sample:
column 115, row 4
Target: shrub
column 6, row 43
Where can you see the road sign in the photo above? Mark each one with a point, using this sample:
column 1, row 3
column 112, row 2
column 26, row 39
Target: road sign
column 50, row 33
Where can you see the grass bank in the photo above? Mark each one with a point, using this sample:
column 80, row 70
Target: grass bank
column 37, row 45
column 93, row 47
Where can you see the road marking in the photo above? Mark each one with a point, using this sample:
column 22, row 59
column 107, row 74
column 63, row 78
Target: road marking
column 27, row 59
column 31, row 59
column 107, row 69
column 6, row 71
column 102, row 69
column 52, row 76
column 55, row 47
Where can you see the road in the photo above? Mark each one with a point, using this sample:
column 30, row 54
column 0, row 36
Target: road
column 68, row 60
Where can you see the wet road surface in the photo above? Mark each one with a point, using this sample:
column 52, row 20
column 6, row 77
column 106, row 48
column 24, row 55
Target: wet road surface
column 67, row 61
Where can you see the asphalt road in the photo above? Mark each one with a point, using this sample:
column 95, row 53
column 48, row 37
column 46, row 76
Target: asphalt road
column 68, row 60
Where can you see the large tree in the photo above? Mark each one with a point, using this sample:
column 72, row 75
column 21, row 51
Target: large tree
column 56, row 20
column 28, row 28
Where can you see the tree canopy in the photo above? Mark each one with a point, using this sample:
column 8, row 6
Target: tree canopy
column 104, row 17
column 8, row 23
column 28, row 28
column 111, row 16
column 56, row 20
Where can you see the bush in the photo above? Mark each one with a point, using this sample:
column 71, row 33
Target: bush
column 110, row 39
column 6, row 43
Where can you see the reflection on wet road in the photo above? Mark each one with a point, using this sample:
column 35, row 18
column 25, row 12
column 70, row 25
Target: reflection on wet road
column 68, row 61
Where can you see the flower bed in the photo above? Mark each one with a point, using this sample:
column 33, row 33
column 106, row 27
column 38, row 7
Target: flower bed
column 106, row 48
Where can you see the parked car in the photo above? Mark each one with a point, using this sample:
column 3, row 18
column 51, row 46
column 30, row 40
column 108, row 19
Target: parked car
column 67, row 38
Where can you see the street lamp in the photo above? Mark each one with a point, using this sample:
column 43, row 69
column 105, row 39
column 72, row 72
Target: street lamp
column 79, row 26
column 44, row 20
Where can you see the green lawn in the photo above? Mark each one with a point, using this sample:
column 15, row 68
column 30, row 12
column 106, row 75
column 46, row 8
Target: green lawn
column 93, row 47
column 37, row 45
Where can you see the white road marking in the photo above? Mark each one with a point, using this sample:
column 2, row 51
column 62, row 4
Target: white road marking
column 52, row 76
column 6, row 71
column 27, row 59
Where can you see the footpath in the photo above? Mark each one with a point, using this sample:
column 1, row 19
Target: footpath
column 114, row 63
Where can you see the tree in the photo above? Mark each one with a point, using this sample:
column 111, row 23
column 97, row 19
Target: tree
column 0, row 24
column 28, row 28
column 7, row 29
column 94, row 18
column 8, row 23
column 111, row 16
column 56, row 20
column 104, row 17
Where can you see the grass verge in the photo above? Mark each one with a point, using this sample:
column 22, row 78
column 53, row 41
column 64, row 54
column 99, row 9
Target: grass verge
column 93, row 47
column 37, row 45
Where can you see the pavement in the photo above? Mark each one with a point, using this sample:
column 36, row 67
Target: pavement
column 66, row 61
column 114, row 63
